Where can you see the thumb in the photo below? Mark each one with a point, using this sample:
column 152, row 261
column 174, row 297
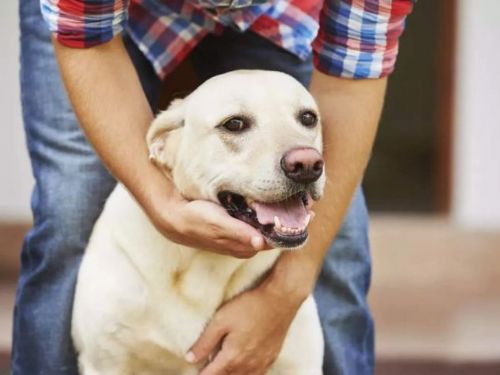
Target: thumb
column 207, row 343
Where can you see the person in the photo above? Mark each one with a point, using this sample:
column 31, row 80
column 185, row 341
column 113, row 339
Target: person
column 108, row 59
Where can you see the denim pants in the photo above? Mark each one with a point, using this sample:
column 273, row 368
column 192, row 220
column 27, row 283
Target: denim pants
column 72, row 185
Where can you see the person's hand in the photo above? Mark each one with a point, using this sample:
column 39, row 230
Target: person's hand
column 246, row 334
column 205, row 225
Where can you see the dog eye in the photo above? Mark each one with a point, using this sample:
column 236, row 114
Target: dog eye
column 235, row 124
column 308, row 119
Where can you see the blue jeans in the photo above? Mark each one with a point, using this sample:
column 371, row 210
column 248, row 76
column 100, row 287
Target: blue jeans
column 72, row 185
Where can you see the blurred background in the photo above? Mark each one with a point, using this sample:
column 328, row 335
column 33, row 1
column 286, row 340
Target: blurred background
column 432, row 186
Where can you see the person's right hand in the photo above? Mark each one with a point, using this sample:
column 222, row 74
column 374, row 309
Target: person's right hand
column 205, row 225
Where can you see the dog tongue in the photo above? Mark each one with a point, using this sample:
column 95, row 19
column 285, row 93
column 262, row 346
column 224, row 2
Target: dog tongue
column 291, row 212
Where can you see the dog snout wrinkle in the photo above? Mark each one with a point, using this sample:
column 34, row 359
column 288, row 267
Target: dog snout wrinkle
column 303, row 165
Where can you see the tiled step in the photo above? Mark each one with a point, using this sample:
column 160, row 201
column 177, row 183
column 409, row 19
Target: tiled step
column 436, row 290
column 425, row 367
column 7, row 291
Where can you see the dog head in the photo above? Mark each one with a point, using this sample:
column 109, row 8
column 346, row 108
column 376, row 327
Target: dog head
column 251, row 141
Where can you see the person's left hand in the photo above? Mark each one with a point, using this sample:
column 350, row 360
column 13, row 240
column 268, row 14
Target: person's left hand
column 248, row 332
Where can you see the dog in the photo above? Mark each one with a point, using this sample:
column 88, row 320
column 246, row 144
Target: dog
column 248, row 140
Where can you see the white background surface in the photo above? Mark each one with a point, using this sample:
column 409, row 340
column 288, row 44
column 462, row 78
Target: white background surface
column 15, row 173
column 476, row 199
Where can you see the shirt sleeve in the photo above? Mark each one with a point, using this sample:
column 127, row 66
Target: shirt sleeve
column 84, row 23
column 359, row 38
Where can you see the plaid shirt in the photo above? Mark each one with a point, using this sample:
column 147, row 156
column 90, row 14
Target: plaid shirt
column 349, row 38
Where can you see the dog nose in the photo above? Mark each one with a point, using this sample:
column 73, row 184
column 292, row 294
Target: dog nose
column 303, row 165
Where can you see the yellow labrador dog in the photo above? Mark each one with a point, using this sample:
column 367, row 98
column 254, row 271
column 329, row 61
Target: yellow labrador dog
column 248, row 140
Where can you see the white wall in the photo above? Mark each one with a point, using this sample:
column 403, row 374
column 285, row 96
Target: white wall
column 476, row 199
column 15, row 173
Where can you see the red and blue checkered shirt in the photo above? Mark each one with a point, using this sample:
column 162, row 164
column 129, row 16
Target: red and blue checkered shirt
column 349, row 38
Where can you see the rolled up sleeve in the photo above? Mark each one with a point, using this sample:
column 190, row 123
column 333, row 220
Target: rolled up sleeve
column 359, row 38
column 84, row 23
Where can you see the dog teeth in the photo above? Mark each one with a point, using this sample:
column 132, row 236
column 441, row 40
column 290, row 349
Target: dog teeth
column 307, row 220
column 299, row 230
column 277, row 223
column 286, row 230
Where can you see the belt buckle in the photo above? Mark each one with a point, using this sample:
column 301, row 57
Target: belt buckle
column 236, row 4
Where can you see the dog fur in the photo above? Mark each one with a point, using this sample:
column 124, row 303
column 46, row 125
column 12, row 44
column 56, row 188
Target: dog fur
column 142, row 300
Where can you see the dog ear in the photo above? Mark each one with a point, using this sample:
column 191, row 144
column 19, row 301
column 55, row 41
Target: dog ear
column 161, row 134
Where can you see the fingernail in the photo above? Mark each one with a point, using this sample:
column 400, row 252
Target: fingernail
column 190, row 357
column 256, row 242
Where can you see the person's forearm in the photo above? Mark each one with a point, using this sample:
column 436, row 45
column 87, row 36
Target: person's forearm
column 111, row 106
column 113, row 111
column 350, row 111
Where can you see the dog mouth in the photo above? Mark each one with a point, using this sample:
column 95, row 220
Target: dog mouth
column 283, row 223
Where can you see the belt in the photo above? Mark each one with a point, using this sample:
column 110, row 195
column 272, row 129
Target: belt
column 234, row 4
